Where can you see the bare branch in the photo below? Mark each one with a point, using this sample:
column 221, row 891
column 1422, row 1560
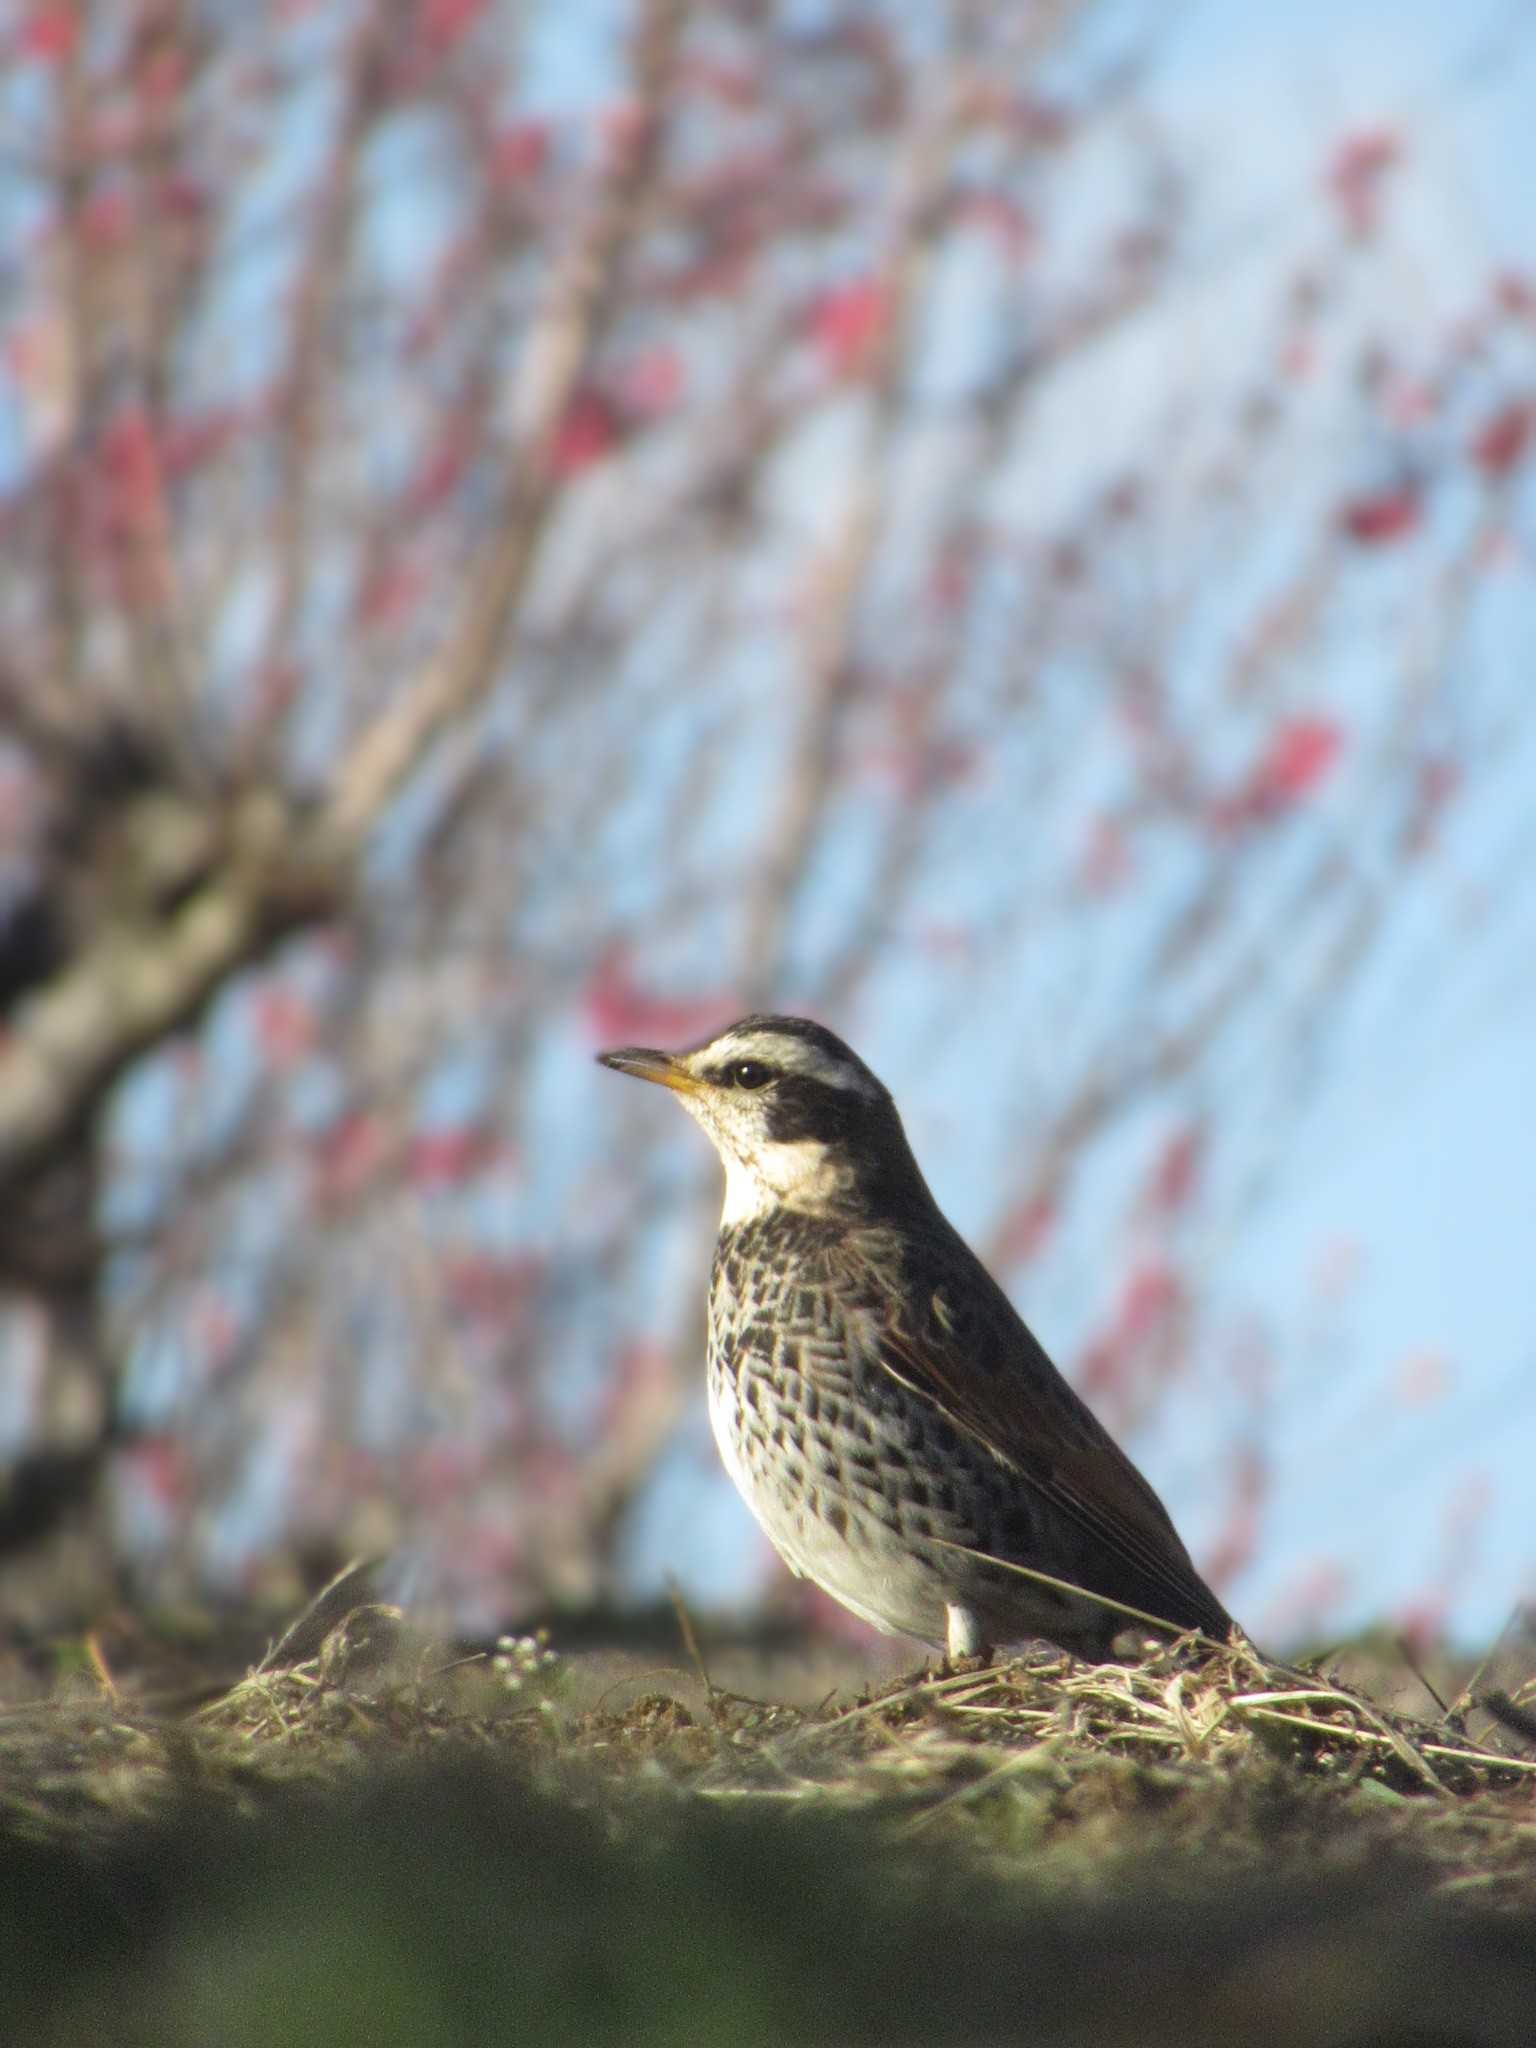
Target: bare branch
column 558, row 345
column 143, row 977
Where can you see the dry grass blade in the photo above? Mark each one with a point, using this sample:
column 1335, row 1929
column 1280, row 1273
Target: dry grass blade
column 1380, row 1730
column 1163, row 1628
column 352, row 1588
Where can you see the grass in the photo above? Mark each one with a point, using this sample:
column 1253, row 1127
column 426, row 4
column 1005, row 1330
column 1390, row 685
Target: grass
column 367, row 1839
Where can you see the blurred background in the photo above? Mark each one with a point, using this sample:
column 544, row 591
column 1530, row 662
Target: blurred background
column 1007, row 527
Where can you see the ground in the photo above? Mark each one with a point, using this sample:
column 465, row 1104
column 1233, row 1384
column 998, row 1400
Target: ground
column 372, row 1839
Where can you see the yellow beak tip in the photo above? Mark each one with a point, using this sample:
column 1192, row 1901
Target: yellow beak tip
column 647, row 1064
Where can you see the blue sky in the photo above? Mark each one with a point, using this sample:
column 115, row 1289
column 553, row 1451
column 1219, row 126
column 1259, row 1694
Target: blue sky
column 1391, row 1251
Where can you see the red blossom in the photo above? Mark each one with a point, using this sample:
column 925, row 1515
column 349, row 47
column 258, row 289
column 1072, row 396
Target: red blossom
column 1501, row 443
column 1468, row 1506
column 357, row 1469
column 390, row 591
column 130, row 465
column 953, row 574
column 589, row 430
column 158, row 1464
column 496, row 1553
column 819, row 1615
column 187, row 444
column 922, row 767
column 442, row 23
column 106, row 218
column 1305, row 1605
column 733, row 85
column 650, row 384
column 1151, row 1293
column 348, row 1155
column 443, row 1467
column 163, row 75
column 519, row 152
column 1176, row 1174
column 1300, row 753
column 1496, row 549
column 130, row 457
column 182, row 198
column 623, row 127
column 118, row 502
column 547, row 1471
column 1338, row 1268
column 1138, row 249
column 619, row 1011
column 1357, row 173
column 641, row 1377
column 1023, row 1230
column 846, row 323
column 1102, row 1368
column 942, row 940
column 1410, row 401
column 448, row 1155
column 1251, row 1362
column 29, row 351
column 1422, row 1380
column 273, row 690
column 1420, row 1623
column 285, row 1025
column 1141, row 1340
column 1042, row 123
column 1424, row 1620
column 1299, row 756
column 114, row 132
column 1437, row 783
column 50, row 34
column 1384, row 516
column 1298, row 358
column 443, row 467
column 1012, row 226
column 491, row 1287
column 1515, row 295
column 1125, row 498
column 1066, row 563
column 212, row 1325
column 1105, row 862
column 1238, row 1537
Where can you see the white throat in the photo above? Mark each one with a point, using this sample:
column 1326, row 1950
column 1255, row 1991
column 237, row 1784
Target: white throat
column 802, row 1175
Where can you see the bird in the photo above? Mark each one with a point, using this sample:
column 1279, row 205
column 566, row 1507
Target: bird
column 898, row 1432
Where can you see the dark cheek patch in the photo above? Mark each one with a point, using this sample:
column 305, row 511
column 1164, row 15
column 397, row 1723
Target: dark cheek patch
column 801, row 1108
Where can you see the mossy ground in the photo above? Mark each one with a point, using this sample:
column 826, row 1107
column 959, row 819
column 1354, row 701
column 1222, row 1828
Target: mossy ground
column 369, row 1840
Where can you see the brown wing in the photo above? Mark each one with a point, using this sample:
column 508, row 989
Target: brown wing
column 962, row 1346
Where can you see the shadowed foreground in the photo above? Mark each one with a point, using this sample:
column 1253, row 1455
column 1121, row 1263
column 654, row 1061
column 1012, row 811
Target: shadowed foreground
column 366, row 1846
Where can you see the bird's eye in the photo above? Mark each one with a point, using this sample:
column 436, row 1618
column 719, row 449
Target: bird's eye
column 750, row 1074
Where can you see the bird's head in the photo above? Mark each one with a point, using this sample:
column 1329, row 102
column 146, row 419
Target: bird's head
column 797, row 1118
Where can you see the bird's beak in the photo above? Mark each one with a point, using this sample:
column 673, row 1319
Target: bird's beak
column 647, row 1065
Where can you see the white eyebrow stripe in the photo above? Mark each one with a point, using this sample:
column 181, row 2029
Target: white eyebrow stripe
column 795, row 1056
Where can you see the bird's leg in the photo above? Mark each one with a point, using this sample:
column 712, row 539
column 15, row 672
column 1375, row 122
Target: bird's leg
column 964, row 1633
